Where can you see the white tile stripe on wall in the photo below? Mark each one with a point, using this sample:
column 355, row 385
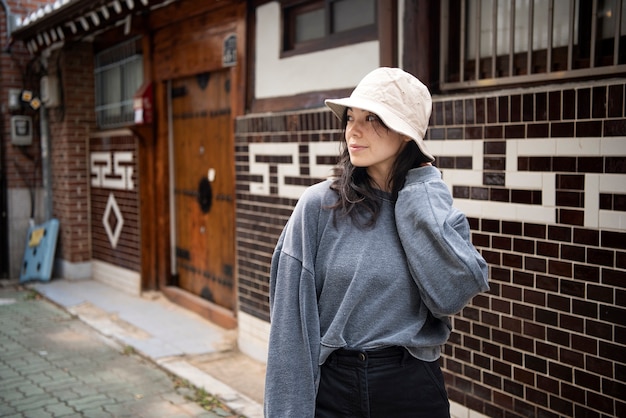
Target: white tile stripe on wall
column 595, row 184
column 316, row 149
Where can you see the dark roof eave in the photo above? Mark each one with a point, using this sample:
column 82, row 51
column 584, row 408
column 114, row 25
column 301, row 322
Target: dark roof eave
column 55, row 18
column 78, row 19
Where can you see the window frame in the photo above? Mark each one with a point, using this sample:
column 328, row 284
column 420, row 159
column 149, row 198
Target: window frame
column 118, row 57
column 553, row 63
column 290, row 10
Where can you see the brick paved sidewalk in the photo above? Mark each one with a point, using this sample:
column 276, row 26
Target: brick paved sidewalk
column 54, row 365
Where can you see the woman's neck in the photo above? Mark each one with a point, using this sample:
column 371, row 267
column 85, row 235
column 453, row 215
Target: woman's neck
column 384, row 186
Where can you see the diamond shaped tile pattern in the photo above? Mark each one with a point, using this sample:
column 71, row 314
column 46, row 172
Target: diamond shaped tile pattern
column 114, row 235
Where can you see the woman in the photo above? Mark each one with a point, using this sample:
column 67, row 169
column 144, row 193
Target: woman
column 369, row 268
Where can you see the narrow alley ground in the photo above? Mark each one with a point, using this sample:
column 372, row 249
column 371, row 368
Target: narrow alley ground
column 52, row 364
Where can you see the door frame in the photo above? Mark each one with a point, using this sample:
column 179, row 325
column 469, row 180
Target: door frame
column 221, row 315
column 231, row 18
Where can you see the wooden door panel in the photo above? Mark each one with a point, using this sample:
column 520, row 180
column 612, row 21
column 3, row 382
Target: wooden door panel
column 202, row 131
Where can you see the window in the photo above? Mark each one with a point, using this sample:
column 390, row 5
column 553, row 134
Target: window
column 493, row 42
column 315, row 25
column 119, row 73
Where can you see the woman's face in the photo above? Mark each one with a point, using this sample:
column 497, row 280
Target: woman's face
column 372, row 145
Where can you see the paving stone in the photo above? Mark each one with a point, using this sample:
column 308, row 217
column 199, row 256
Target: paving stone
column 119, row 411
column 6, row 410
column 64, row 394
column 59, row 410
column 33, row 402
column 10, row 395
column 6, row 374
column 39, row 413
column 11, row 383
column 95, row 413
column 88, row 402
column 30, row 388
column 174, row 398
column 54, row 365
column 62, row 383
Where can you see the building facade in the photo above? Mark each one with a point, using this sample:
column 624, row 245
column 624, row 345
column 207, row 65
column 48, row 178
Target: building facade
column 183, row 132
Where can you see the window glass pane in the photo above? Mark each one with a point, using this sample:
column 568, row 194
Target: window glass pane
column 118, row 74
column 485, row 28
column 623, row 26
column 521, row 25
column 471, row 20
column 315, row 25
column 560, row 33
column 540, row 28
column 351, row 14
column 607, row 14
column 504, row 34
column 484, row 18
column 133, row 78
column 112, row 92
column 606, row 19
column 310, row 25
column 542, row 32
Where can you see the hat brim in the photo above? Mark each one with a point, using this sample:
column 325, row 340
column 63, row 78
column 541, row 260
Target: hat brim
column 390, row 119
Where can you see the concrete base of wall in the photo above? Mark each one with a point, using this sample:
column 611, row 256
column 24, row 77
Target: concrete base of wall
column 253, row 336
column 128, row 281
column 20, row 202
column 460, row 411
column 64, row 269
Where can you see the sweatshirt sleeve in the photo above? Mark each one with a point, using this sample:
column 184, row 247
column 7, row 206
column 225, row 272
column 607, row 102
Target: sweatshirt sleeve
column 294, row 345
column 435, row 236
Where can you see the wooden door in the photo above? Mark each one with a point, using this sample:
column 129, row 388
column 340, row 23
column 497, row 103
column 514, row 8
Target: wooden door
column 204, row 186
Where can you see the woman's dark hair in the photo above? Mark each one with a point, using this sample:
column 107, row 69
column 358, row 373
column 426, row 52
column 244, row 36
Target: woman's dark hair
column 358, row 198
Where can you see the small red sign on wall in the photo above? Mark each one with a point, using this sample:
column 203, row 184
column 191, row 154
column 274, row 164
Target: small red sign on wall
column 143, row 104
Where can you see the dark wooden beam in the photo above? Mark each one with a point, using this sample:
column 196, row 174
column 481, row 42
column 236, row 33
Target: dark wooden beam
column 420, row 55
column 388, row 33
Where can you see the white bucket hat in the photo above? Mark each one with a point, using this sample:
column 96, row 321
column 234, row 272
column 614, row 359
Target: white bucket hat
column 399, row 99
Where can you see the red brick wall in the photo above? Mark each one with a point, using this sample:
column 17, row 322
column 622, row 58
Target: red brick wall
column 70, row 126
column 17, row 71
column 549, row 339
column 261, row 216
column 542, row 176
column 21, row 165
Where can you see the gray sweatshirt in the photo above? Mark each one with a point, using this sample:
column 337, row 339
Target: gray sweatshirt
column 334, row 286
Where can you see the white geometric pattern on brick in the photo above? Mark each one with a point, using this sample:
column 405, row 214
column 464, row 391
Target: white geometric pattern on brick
column 292, row 169
column 595, row 184
column 114, row 235
column 109, row 172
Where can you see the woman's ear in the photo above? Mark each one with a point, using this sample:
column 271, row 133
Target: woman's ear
column 408, row 139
